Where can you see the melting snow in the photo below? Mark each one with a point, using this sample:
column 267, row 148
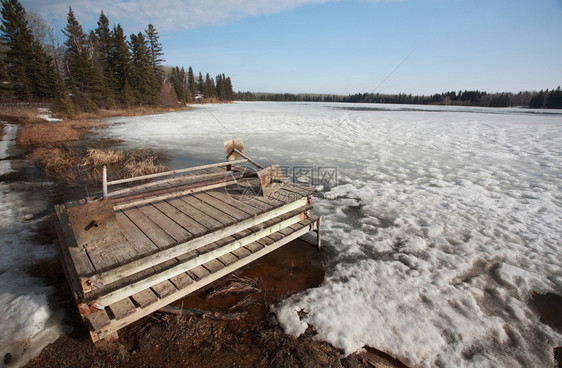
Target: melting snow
column 28, row 323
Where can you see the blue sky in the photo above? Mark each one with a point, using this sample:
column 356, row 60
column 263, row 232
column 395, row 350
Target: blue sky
column 347, row 46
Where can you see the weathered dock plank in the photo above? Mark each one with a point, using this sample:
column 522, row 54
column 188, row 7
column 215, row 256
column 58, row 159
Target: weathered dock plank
column 201, row 277
column 149, row 228
column 171, row 228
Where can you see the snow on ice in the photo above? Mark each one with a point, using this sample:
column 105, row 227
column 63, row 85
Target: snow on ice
column 27, row 319
column 443, row 222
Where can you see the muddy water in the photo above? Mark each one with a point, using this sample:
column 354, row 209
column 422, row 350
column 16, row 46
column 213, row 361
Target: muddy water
column 285, row 271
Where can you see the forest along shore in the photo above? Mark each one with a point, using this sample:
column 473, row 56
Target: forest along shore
column 231, row 316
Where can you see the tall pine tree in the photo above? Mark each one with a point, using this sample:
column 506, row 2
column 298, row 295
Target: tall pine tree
column 31, row 71
column 192, row 84
column 120, row 57
column 103, row 58
column 143, row 79
column 155, row 50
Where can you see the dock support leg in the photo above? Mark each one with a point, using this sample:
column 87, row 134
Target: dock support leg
column 318, row 235
column 104, row 182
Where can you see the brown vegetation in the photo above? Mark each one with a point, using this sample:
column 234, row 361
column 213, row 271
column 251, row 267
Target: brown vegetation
column 70, row 167
column 44, row 133
column 20, row 113
column 56, row 162
column 36, row 131
column 100, row 157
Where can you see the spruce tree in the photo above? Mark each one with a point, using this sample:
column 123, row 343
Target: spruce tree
column 178, row 80
column 554, row 100
column 103, row 59
column 209, row 87
column 221, row 92
column 200, row 84
column 538, row 100
column 228, row 88
column 31, row 71
column 192, row 84
column 4, row 79
column 144, row 81
column 83, row 73
column 120, row 65
column 155, row 49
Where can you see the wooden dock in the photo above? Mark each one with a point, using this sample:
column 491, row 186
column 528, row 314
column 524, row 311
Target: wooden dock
column 140, row 248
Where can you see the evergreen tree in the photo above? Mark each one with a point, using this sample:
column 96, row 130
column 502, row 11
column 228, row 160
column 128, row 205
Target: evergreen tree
column 554, row 100
column 200, row 84
column 4, row 78
column 220, row 86
column 144, row 81
column 192, row 84
column 155, row 49
column 120, row 65
column 228, row 89
column 83, row 73
column 178, row 80
column 103, row 58
column 538, row 100
column 209, row 87
column 103, row 34
column 30, row 69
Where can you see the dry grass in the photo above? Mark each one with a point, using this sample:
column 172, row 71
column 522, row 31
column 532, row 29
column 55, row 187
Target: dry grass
column 36, row 131
column 56, row 162
column 70, row 167
column 36, row 134
column 48, row 133
column 100, row 157
column 21, row 113
column 143, row 162
column 130, row 111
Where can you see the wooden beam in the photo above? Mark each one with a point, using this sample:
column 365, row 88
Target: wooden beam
column 174, row 194
column 138, row 286
column 140, row 313
column 144, row 177
column 164, row 181
column 138, row 265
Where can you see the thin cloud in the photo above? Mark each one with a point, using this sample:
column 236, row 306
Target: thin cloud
column 166, row 15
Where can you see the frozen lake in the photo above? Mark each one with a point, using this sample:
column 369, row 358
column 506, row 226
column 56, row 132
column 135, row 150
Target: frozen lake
column 443, row 222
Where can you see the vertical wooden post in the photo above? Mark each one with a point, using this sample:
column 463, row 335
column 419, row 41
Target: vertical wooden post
column 104, row 182
column 318, row 237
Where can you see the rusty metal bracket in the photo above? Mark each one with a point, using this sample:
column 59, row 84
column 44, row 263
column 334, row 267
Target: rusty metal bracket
column 92, row 221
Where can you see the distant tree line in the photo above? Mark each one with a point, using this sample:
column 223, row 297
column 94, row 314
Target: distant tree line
column 544, row 99
column 188, row 88
column 93, row 69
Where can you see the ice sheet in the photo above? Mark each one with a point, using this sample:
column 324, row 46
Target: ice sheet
column 28, row 319
column 445, row 219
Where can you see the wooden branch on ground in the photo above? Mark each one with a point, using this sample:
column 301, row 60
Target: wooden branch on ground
column 192, row 312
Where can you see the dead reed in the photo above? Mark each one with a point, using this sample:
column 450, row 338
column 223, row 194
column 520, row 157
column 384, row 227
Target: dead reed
column 100, row 157
column 73, row 168
column 237, row 285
